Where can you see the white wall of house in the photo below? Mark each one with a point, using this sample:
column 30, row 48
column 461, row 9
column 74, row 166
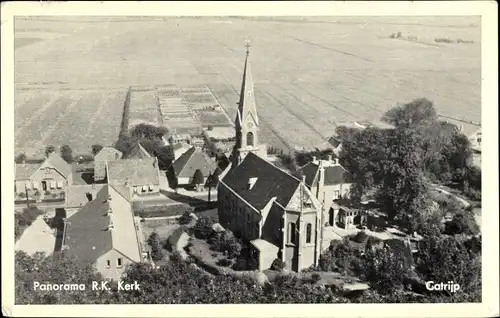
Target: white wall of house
column 108, row 264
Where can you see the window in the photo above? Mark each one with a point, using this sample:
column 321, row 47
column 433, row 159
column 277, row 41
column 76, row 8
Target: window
column 108, row 263
column 151, row 188
column 250, row 139
column 144, row 188
column 59, row 184
column 53, row 184
column 119, row 262
column 336, row 194
column 308, row 232
column 291, row 233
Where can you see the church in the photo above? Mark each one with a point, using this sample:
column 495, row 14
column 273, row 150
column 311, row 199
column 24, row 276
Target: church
column 275, row 211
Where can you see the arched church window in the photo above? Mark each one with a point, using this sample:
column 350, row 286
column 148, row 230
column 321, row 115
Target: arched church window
column 250, row 139
column 291, row 232
column 308, row 232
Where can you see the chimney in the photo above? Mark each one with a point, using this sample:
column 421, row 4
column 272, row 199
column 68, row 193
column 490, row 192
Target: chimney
column 110, row 225
column 303, row 179
column 336, row 161
column 314, row 159
column 251, row 183
column 321, row 183
column 329, row 158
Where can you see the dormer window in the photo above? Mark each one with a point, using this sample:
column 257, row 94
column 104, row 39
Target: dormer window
column 251, row 183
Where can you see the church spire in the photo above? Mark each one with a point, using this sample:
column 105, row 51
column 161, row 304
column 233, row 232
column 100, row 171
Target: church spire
column 246, row 104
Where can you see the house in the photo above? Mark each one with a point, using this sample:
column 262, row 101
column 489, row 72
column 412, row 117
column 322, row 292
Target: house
column 273, row 210
column 176, row 138
column 220, row 139
column 53, row 175
column 104, row 233
column 138, row 152
column 77, row 196
column 350, row 218
column 179, row 148
column 190, row 161
column 106, row 153
column 134, row 178
column 330, row 182
column 38, row 237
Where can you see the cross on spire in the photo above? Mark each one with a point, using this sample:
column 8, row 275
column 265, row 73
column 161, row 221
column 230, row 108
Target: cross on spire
column 247, row 45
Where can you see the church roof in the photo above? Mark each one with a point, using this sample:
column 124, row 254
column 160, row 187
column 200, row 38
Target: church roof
column 270, row 182
column 246, row 104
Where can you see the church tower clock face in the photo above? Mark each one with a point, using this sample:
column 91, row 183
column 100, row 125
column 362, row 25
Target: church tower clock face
column 250, row 125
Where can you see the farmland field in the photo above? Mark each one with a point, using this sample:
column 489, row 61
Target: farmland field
column 79, row 118
column 143, row 108
column 309, row 73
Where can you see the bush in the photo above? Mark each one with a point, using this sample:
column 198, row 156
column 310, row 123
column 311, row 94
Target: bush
column 315, row 277
column 185, row 217
column 278, row 265
column 203, row 228
column 245, row 264
column 226, row 243
column 22, row 195
column 224, row 262
column 360, row 237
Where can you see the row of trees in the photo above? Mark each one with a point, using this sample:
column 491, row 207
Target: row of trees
column 65, row 151
column 439, row 259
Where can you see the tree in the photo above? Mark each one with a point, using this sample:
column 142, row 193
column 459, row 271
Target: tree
column 213, row 181
column 156, row 250
column 146, row 131
column 447, row 258
column 125, row 143
column 419, row 112
column 96, row 148
column 463, row 222
column 58, row 268
column 404, row 190
column 67, row 153
column 198, row 178
column 384, row 269
column 365, row 154
column 165, row 157
column 49, row 149
column 20, row 158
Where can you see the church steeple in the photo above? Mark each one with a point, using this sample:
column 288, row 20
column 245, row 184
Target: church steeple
column 247, row 121
column 246, row 104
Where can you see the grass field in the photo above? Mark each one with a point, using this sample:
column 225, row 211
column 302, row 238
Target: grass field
column 309, row 73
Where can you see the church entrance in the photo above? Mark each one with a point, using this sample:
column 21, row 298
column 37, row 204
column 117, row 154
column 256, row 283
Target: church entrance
column 44, row 185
